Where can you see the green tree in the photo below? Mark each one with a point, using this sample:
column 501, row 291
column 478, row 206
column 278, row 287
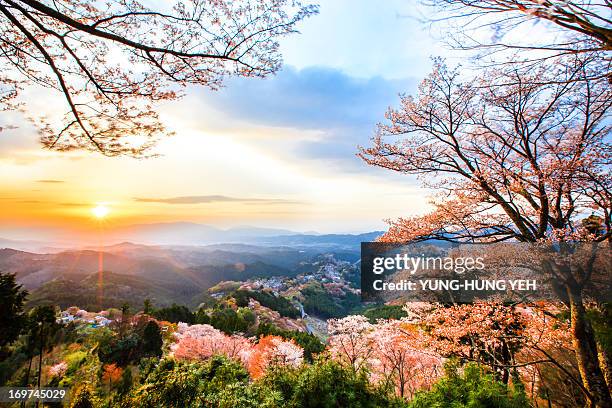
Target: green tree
column 267, row 299
column 309, row 342
column 152, row 340
column 125, row 384
column 174, row 314
column 201, row 316
column 219, row 382
column 12, row 317
column 473, row 389
column 324, row 384
column 121, row 350
column 125, row 311
column 42, row 327
column 247, row 316
column 82, row 398
column 384, row 312
column 147, row 307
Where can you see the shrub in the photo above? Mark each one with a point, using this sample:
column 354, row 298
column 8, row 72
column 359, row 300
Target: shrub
column 325, row 384
column 472, row 389
column 174, row 314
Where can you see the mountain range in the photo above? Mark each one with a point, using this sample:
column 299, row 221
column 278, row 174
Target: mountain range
column 190, row 234
column 165, row 274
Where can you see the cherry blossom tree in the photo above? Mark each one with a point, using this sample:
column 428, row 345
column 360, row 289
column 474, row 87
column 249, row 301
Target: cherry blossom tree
column 202, row 341
column 494, row 27
column 488, row 333
column 402, row 360
column 58, row 370
column 520, row 156
column 547, row 348
column 273, row 351
column 351, row 341
column 395, row 353
column 530, row 341
column 112, row 60
column 512, row 161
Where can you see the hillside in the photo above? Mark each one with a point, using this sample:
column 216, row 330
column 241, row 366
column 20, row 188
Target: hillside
column 166, row 275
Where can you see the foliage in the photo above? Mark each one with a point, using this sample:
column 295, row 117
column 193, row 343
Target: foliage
column 175, row 313
column 181, row 384
column 152, row 340
column 601, row 319
column 75, row 359
column 229, row 320
column 474, row 389
column 319, row 302
column 324, row 384
column 309, row 342
column 147, row 307
column 224, row 383
column 126, row 381
column 384, row 312
column 226, row 317
column 8, row 364
column 12, row 317
column 111, row 374
column 129, row 344
column 83, row 398
column 270, row 300
column 120, row 350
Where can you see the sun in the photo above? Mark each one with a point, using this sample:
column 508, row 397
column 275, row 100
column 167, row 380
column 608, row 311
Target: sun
column 100, row 211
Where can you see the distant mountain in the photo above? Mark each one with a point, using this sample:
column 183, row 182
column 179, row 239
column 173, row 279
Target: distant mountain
column 188, row 233
column 133, row 272
column 185, row 234
column 116, row 289
column 23, row 245
column 346, row 241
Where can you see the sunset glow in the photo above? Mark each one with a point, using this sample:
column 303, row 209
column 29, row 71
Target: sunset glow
column 100, row 211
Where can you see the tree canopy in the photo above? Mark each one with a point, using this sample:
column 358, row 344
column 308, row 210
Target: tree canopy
column 111, row 60
column 514, row 155
column 12, row 318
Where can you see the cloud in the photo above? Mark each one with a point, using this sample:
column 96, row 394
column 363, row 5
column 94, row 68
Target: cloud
column 50, row 181
column 205, row 199
column 69, row 204
column 341, row 110
column 310, row 98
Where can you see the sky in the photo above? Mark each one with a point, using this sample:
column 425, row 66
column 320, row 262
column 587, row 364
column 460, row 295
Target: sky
column 275, row 152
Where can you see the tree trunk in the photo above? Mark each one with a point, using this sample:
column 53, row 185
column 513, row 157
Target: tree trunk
column 40, row 359
column 605, row 356
column 27, row 377
column 605, row 362
column 586, row 353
